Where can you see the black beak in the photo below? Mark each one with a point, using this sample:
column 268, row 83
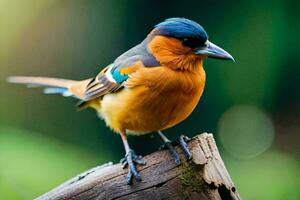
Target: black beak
column 213, row 51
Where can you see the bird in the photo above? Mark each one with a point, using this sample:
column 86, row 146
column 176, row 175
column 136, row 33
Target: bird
column 151, row 87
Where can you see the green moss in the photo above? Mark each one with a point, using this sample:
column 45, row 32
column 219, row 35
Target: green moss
column 191, row 178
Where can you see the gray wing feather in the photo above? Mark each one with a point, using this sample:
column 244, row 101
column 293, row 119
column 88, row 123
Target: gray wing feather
column 138, row 53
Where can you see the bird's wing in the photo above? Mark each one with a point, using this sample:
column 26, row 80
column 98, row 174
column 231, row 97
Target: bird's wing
column 113, row 76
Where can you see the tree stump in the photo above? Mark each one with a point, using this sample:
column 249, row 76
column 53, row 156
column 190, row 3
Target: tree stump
column 204, row 177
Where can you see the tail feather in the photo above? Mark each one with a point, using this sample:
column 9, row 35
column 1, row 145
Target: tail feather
column 41, row 81
column 64, row 87
column 63, row 91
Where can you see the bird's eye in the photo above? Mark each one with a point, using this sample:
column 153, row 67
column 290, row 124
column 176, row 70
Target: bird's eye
column 192, row 42
column 187, row 42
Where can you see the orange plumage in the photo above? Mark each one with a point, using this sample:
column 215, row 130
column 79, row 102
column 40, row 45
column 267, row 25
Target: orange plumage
column 156, row 99
column 160, row 97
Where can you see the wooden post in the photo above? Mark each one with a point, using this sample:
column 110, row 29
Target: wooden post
column 204, row 177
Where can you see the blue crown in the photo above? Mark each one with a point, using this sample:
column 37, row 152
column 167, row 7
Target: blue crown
column 181, row 28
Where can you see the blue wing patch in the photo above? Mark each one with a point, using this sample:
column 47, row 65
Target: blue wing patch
column 118, row 77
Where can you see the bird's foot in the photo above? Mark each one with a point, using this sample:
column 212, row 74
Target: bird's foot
column 168, row 145
column 182, row 141
column 130, row 160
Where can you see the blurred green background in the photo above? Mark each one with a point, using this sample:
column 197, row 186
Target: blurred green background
column 252, row 106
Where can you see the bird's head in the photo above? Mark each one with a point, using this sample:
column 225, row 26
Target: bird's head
column 182, row 42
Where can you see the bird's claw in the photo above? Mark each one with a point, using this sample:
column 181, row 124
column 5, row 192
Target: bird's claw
column 182, row 141
column 168, row 145
column 130, row 160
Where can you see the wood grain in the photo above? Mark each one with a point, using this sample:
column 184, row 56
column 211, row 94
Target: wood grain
column 205, row 177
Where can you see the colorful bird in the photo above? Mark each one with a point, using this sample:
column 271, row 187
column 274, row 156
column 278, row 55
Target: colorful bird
column 151, row 87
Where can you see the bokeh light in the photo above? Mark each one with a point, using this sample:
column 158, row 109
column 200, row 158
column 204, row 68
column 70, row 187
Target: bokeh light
column 245, row 131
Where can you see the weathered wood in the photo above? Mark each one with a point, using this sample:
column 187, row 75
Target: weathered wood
column 205, row 177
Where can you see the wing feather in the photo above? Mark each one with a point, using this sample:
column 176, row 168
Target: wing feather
column 113, row 76
column 100, row 85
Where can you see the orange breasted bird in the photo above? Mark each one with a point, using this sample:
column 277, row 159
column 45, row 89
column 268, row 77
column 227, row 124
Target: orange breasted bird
column 149, row 88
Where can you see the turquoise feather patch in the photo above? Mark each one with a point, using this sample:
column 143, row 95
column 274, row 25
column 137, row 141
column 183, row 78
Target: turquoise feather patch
column 119, row 78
